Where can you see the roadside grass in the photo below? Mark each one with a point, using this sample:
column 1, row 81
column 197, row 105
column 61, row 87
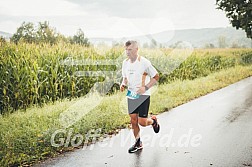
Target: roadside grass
column 171, row 95
column 25, row 137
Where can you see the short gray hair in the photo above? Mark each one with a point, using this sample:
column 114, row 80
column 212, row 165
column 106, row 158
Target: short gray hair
column 131, row 42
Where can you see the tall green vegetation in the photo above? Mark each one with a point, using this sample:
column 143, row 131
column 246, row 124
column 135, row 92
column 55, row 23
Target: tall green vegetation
column 35, row 74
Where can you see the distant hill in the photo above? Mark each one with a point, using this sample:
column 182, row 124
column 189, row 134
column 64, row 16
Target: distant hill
column 5, row 34
column 197, row 37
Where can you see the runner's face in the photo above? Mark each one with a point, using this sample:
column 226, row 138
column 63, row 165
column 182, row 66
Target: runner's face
column 131, row 51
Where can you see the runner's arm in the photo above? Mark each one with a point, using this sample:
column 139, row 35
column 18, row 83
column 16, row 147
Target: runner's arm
column 152, row 82
column 123, row 84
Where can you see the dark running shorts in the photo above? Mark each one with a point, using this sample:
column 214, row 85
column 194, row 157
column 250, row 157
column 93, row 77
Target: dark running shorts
column 139, row 106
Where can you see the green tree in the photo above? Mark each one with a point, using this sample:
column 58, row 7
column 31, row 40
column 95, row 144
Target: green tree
column 79, row 38
column 25, row 32
column 239, row 13
column 63, row 39
column 46, row 34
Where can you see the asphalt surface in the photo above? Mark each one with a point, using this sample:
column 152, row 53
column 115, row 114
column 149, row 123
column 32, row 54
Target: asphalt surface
column 213, row 130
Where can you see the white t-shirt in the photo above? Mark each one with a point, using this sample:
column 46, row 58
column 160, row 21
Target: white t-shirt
column 138, row 73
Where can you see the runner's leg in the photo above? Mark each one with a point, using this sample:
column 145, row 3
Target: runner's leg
column 145, row 121
column 135, row 126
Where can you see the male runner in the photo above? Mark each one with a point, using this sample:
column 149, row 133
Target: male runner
column 139, row 76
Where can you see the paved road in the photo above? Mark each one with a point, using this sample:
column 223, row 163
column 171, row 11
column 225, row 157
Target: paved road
column 213, row 130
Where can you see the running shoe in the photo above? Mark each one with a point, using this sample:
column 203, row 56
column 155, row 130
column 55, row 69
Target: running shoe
column 155, row 125
column 137, row 146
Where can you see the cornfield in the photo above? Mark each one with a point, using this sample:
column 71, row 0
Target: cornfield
column 34, row 74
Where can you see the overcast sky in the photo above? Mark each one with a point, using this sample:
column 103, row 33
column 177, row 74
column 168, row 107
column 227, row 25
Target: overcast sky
column 112, row 18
